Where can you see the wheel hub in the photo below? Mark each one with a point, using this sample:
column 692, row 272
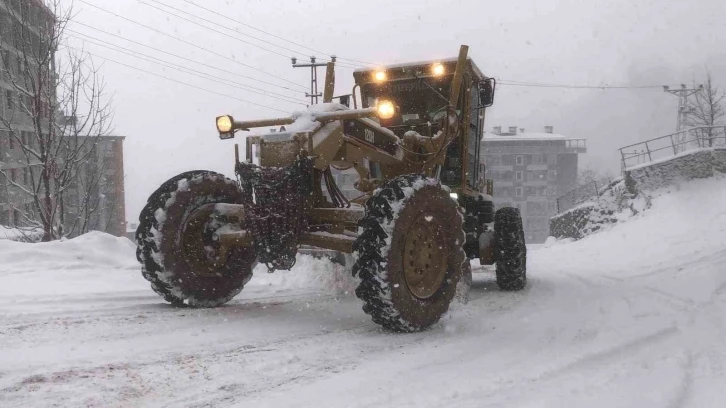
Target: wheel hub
column 201, row 252
column 424, row 260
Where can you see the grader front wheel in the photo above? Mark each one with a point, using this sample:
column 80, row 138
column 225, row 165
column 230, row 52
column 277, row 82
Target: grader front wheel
column 409, row 253
column 176, row 246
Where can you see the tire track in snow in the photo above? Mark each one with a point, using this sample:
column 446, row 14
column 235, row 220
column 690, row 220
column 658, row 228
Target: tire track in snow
column 686, row 388
column 609, row 354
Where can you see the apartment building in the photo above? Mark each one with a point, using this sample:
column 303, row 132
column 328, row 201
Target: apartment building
column 530, row 169
column 24, row 29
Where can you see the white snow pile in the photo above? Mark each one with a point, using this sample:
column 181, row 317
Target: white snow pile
column 95, row 250
column 308, row 273
column 96, row 253
column 612, row 207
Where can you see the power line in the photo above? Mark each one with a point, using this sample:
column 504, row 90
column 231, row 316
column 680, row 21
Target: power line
column 273, row 35
column 180, row 57
column 544, row 85
column 235, row 37
column 190, row 43
column 190, row 71
column 177, row 81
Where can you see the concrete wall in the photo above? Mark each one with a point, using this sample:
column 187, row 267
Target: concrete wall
column 581, row 221
column 632, row 195
column 684, row 167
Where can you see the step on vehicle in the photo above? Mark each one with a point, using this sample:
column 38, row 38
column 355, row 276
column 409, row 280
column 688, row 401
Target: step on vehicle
column 424, row 212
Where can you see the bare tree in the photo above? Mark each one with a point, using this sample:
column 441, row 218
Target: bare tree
column 589, row 175
column 57, row 111
column 706, row 109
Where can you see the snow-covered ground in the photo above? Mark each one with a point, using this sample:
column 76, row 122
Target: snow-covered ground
column 634, row 316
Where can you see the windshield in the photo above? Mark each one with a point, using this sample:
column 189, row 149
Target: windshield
column 417, row 101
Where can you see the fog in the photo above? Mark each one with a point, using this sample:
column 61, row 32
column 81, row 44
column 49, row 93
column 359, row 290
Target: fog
column 170, row 125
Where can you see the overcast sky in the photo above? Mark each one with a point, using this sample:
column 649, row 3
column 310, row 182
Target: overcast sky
column 170, row 126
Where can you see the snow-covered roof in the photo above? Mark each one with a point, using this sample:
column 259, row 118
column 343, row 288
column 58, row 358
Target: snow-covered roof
column 524, row 136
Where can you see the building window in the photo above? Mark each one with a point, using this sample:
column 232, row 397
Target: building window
column 9, row 101
column 492, row 160
column 519, row 175
column 519, row 160
column 13, row 174
column 538, row 159
column 519, row 192
column 552, row 159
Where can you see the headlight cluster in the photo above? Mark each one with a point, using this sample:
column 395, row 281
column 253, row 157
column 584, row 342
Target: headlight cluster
column 224, row 124
column 385, row 109
column 438, row 69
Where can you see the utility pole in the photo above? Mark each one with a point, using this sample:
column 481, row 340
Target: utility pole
column 313, row 95
column 683, row 93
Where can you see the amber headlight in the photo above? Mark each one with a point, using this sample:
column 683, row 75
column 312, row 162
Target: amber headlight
column 385, row 109
column 225, row 124
column 380, row 76
column 438, row 69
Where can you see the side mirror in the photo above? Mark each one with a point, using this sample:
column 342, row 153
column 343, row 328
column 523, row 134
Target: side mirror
column 486, row 92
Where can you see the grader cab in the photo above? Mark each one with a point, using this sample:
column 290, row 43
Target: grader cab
column 422, row 213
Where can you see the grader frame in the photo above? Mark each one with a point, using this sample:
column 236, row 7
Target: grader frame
column 422, row 213
column 349, row 138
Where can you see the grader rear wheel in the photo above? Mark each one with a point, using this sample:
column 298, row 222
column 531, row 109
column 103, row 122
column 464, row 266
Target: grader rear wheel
column 409, row 254
column 176, row 247
column 510, row 250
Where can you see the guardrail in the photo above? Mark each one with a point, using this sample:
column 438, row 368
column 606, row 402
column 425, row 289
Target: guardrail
column 671, row 145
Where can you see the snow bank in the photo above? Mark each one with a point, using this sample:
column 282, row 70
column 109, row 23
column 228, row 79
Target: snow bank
column 633, row 194
column 613, row 206
column 684, row 222
column 95, row 250
column 308, row 273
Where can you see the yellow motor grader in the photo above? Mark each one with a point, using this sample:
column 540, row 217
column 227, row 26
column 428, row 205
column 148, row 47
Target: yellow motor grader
column 424, row 208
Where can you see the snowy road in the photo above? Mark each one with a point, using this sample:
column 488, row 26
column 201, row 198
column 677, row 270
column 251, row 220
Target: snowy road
column 631, row 317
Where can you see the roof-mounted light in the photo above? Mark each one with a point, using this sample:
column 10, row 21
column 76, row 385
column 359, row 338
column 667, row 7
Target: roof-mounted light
column 438, row 69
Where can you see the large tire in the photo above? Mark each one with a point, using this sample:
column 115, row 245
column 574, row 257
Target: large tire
column 510, row 249
column 409, row 253
column 172, row 268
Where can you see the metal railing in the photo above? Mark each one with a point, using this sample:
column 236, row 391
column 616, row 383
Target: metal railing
column 671, row 145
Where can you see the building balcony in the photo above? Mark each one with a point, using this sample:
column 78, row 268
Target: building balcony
column 576, row 145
